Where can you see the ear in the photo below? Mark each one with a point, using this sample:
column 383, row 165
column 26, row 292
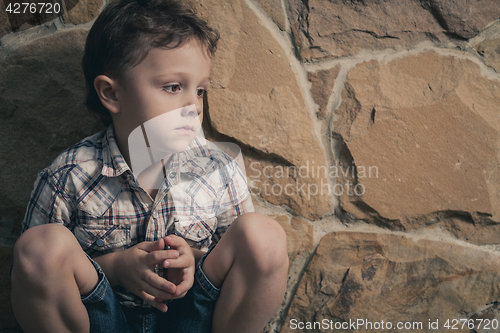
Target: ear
column 106, row 89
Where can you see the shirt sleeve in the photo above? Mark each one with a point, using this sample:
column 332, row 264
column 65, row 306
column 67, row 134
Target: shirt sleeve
column 47, row 204
column 236, row 201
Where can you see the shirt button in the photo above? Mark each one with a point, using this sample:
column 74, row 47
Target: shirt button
column 155, row 214
column 200, row 233
column 100, row 242
column 171, row 175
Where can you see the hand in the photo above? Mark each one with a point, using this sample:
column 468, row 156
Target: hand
column 135, row 270
column 180, row 271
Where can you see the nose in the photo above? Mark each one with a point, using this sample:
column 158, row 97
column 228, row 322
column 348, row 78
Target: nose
column 190, row 110
column 198, row 103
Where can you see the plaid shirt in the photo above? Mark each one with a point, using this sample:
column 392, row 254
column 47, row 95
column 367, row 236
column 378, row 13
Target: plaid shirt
column 90, row 189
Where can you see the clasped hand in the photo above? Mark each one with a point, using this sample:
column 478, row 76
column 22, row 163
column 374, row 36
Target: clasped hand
column 135, row 270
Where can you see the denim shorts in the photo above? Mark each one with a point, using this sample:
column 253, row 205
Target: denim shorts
column 191, row 313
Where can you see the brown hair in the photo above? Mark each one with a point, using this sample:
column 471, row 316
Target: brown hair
column 126, row 30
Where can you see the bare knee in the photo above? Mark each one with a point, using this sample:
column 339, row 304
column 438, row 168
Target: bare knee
column 43, row 249
column 263, row 241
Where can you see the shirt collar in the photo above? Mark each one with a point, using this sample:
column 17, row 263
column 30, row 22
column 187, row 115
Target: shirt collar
column 112, row 159
column 194, row 160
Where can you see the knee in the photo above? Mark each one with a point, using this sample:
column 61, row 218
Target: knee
column 263, row 241
column 42, row 249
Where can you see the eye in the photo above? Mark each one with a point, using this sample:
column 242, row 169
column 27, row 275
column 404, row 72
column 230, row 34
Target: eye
column 172, row 88
column 200, row 92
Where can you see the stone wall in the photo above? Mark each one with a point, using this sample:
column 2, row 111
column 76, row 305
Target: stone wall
column 370, row 131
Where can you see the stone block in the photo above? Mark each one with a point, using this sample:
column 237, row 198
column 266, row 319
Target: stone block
column 326, row 29
column 380, row 277
column 256, row 101
column 427, row 128
column 42, row 113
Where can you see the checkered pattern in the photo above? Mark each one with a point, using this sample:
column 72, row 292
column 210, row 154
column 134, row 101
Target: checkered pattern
column 90, row 189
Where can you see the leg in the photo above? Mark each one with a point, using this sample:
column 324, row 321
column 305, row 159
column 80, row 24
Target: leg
column 250, row 264
column 49, row 275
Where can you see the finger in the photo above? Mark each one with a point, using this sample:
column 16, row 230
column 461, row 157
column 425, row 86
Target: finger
column 158, row 294
column 156, row 285
column 154, row 302
column 182, row 262
column 152, row 246
column 157, row 257
column 175, row 241
column 184, row 286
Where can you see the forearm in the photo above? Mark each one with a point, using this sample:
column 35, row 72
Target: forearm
column 108, row 264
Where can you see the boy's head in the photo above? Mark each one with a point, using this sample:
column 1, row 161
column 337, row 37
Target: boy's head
column 126, row 31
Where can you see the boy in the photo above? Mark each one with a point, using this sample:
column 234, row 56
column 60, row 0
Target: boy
column 144, row 62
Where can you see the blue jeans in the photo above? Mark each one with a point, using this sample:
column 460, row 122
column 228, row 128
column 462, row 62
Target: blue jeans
column 192, row 313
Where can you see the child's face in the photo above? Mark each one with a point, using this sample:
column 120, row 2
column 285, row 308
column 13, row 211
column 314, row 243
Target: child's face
column 166, row 80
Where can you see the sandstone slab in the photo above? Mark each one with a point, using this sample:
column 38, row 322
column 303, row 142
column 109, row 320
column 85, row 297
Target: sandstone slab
column 421, row 139
column 284, row 184
column 463, row 18
column 490, row 50
column 42, row 112
column 5, row 27
column 256, row 101
column 299, row 236
column 21, row 19
column 322, row 82
column 82, row 11
column 325, row 29
column 300, row 249
column 274, row 10
column 463, row 227
column 381, row 277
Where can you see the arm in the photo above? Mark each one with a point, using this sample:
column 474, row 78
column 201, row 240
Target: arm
column 236, row 200
column 47, row 204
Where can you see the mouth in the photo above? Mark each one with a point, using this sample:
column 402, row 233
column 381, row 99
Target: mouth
column 186, row 128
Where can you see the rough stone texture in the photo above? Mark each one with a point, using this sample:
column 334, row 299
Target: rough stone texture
column 300, row 248
column 339, row 28
column 463, row 18
column 283, row 184
column 275, row 11
column 488, row 316
column 82, row 11
column 5, row 27
column 10, row 213
column 379, row 277
column 322, row 82
column 430, row 125
column 42, row 113
column 475, row 232
column 255, row 99
column 73, row 12
column 490, row 50
column 22, row 21
column 299, row 235
column 7, row 319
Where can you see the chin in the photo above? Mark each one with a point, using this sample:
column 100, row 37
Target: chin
column 177, row 147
